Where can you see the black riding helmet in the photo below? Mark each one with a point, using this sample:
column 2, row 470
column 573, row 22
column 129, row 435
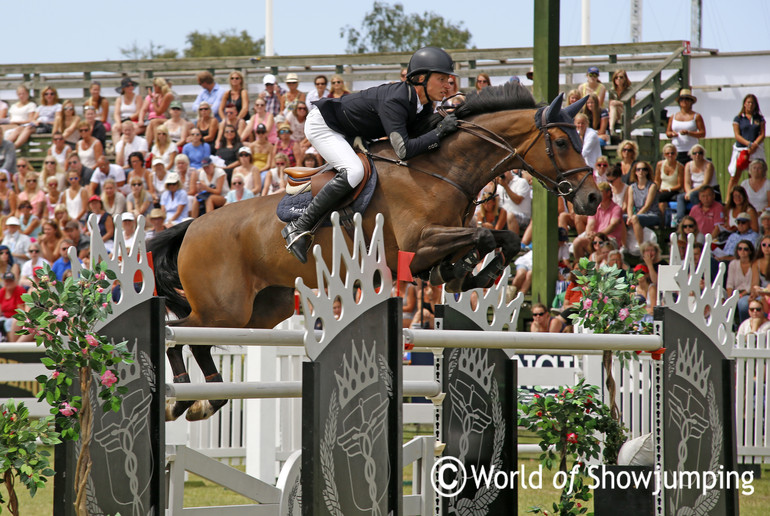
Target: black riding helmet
column 426, row 61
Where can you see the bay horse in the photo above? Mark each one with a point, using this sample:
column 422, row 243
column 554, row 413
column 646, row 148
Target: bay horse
column 229, row 268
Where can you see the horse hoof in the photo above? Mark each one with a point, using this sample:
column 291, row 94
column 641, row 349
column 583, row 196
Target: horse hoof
column 170, row 411
column 199, row 411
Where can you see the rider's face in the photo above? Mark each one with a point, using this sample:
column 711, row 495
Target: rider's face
column 438, row 86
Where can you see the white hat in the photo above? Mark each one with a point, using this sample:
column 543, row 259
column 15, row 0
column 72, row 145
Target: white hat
column 245, row 149
column 127, row 216
column 172, row 178
column 292, row 77
column 12, row 221
column 269, row 79
column 157, row 160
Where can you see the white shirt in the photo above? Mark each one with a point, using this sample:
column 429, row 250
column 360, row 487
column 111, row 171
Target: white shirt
column 591, row 148
column 519, row 186
column 19, row 244
column 138, row 144
column 311, row 97
column 115, row 172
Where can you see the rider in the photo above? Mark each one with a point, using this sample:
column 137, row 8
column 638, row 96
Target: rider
column 386, row 110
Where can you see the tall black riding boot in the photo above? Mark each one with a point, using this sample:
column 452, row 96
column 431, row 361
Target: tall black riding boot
column 299, row 233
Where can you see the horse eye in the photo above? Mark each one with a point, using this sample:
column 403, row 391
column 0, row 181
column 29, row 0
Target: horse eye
column 561, row 143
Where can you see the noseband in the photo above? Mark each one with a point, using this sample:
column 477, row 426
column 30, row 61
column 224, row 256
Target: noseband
column 560, row 187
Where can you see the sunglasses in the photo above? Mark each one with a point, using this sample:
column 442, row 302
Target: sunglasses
column 755, row 309
column 670, row 153
column 593, row 75
column 301, row 109
column 244, row 155
column 31, row 180
column 195, row 134
column 137, row 184
column 4, row 252
column 336, row 82
column 642, row 169
column 765, row 244
column 627, row 150
column 84, row 130
column 538, row 314
column 697, row 153
column 688, row 226
column 597, row 242
column 259, row 104
column 284, row 131
column 320, row 84
column 204, row 109
column 34, row 250
column 3, row 180
column 742, row 221
column 482, row 81
column 280, row 163
column 744, row 249
column 602, row 165
column 269, row 84
column 237, row 182
column 21, row 165
column 72, row 179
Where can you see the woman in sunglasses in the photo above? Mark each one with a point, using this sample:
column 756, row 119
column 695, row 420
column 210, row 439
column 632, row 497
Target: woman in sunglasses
column 482, row 81
column 742, row 275
column 628, row 151
column 689, row 225
column 21, row 117
column 261, row 118
column 59, row 151
column 698, row 173
column 33, row 194
column 669, row 176
column 757, row 186
column 207, row 125
column 686, row 126
column 66, row 123
column 75, row 197
column 749, row 130
column 288, row 146
column 8, row 200
column 757, row 321
column 620, row 84
column 338, row 89
column 737, row 204
column 642, row 202
column 593, row 85
column 7, row 263
column 239, row 192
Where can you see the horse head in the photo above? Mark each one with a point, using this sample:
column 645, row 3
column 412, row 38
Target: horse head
column 569, row 176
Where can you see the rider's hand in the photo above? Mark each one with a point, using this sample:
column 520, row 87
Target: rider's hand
column 447, row 126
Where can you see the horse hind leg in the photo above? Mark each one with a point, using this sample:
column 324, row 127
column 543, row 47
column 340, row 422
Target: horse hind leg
column 176, row 360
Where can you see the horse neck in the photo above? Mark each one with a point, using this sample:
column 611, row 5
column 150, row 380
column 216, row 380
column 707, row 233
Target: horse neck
column 515, row 127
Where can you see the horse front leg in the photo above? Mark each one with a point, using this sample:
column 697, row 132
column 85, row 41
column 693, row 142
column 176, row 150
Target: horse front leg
column 450, row 253
column 507, row 245
column 176, row 360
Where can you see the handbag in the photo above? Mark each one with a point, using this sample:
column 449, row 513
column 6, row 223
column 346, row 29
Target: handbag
column 742, row 163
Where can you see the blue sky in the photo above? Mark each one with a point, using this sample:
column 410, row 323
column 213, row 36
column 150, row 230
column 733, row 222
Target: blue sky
column 38, row 31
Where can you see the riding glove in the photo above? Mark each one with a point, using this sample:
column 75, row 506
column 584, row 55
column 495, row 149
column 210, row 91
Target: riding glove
column 447, row 126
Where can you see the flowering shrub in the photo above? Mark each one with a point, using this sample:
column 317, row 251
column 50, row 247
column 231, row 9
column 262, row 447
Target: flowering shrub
column 62, row 316
column 19, row 454
column 567, row 424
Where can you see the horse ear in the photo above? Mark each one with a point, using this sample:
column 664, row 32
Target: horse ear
column 552, row 114
column 574, row 108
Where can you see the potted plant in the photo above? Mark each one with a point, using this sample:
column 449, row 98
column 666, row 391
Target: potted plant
column 62, row 315
column 20, row 455
column 568, row 424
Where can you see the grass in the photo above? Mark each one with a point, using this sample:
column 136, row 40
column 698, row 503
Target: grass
column 200, row 492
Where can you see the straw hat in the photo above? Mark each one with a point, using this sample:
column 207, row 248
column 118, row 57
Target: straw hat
column 685, row 93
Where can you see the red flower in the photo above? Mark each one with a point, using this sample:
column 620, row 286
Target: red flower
column 539, row 414
column 572, row 438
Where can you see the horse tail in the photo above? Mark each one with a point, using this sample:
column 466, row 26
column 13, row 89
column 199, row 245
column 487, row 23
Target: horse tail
column 165, row 249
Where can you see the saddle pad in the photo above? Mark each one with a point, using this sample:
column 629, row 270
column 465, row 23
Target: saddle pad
column 291, row 207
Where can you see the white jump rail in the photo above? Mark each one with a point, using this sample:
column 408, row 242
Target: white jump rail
column 423, row 339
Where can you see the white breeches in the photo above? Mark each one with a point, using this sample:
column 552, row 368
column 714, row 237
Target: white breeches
column 334, row 148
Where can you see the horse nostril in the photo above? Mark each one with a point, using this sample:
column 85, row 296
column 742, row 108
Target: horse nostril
column 593, row 199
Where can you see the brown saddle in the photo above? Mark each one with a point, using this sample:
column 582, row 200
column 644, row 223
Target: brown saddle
column 298, row 176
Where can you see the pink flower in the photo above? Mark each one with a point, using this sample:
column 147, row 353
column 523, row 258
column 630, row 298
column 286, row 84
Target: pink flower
column 55, row 374
column 101, row 276
column 108, row 378
column 100, row 290
column 623, row 314
column 104, row 305
column 572, row 438
column 606, row 299
column 84, row 351
column 67, row 409
column 587, row 304
column 92, row 340
column 60, row 314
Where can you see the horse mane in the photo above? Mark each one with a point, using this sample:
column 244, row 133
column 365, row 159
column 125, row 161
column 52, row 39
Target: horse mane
column 511, row 95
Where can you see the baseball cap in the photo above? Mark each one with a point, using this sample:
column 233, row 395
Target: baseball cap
column 157, row 160
column 206, row 161
column 12, row 221
column 9, row 276
column 261, row 128
column 743, row 216
column 642, row 267
column 94, row 198
column 563, row 236
column 175, row 104
column 73, row 224
column 127, row 216
column 245, row 149
column 268, row 79
column 765, row 215
column 593, row 69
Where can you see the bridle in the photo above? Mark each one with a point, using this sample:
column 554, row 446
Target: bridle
column 560, row 187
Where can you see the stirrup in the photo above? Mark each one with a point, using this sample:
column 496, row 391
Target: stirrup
column 289, row 245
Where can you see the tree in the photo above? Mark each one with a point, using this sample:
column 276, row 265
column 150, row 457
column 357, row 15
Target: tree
column 152, row 52
column 388, row 28
column 226, row 43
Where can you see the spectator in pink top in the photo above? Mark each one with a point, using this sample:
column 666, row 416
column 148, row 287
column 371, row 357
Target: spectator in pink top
column 608, row 221
column 709, row 214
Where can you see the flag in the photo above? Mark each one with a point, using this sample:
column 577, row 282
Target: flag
column 404, row 273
